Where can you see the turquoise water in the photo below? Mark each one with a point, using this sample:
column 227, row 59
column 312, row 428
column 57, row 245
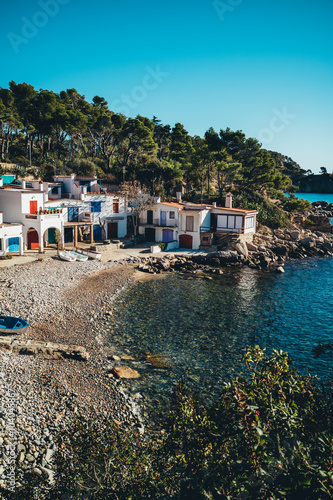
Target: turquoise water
column 203, row 327
column 312, row 197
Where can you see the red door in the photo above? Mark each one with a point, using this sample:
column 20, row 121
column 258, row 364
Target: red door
column 33, row 240
column 33, row 207
column 185, row 241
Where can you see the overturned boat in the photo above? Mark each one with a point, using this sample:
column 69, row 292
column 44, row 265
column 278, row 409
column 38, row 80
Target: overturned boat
column 9, row 324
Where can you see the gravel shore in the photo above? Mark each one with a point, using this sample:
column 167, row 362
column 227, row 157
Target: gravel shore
column 64, row 303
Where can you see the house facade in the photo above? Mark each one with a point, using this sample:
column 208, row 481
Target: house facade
column 195, row 225
column 11, row 238
column 40, row 225
column 160, row 223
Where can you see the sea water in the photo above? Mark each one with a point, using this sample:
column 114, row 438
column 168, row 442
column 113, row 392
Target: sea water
column 202, row 327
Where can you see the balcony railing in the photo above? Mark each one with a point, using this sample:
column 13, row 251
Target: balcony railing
column 159, row 222
column 42, row 214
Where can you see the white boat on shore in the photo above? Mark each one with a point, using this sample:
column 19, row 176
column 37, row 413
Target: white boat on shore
column 78, row 256
column 66, row 256
column 89, row 253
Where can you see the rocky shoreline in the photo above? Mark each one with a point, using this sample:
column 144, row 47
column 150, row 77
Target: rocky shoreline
column 65, row 303
column 70, row 304
column 269, row 250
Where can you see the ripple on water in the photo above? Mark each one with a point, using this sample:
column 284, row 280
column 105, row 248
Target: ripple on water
column 204, row 326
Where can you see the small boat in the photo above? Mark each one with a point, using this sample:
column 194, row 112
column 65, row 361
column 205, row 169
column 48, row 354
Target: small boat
column 8, row 324
column 90, row 253
column 67, row 256
column 78, row 256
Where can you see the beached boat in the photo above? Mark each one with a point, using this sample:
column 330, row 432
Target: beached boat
column 67, row 256
column 78, row 256
column 90, row 253
column 9, row 324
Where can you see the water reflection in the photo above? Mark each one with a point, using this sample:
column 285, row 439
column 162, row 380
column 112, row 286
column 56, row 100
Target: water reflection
column 203, row 326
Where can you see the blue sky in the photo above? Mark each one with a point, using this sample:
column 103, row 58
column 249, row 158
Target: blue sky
column 264, row 67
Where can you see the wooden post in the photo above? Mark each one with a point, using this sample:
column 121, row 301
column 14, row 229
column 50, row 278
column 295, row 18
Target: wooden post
column 75, row 236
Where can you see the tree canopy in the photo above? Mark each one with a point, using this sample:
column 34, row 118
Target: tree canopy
column 56, row 132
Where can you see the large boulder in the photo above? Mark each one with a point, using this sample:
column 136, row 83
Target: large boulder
column 295, row 234
column 251, row 247
column 308, row 242
column 240, row 248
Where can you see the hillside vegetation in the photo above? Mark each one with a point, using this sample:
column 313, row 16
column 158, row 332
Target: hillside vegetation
column 63, row 133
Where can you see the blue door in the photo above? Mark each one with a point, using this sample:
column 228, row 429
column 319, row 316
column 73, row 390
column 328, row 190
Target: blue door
column 13, row 245
column 163, row 217
column 97, row 233
column 167, row 235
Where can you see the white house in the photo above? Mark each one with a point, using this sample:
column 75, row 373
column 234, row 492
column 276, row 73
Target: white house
column 160, row 223
column 195, row 225
column 109, row 209
column 92, row 217
column 41, row 226
column 11, row 239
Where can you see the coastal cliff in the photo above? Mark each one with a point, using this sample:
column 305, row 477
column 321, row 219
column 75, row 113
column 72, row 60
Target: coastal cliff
column 321, row 183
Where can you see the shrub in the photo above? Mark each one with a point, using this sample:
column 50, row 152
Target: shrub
column 268, row 436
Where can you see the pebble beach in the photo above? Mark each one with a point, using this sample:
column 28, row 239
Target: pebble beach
column 65, row 303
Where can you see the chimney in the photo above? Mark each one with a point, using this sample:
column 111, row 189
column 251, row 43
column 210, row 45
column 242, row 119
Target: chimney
column 214, row 204
column 1, row 182
column 41, row 186
column 228, row 200
column 83, row 193
column 1, row 217
column 179, row 196
column 24, row 184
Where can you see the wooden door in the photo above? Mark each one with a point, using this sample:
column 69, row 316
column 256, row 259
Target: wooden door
column 33, row 207
column 185, row 241
column 112, row 230
column 163, row 217
column 190, row 223
column 150, row 234
column 150, row 215
column 167, row 235
column 33, row 240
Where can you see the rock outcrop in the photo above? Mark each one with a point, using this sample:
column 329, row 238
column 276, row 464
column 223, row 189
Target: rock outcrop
column 46, row 350
column 269, row 250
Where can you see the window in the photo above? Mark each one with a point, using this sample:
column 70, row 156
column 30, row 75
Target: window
column 249, row 222
column 95, row 206
column 222, row 221
column 190, row 223
column 231, row 222
column 239, row 222
column 116, row 207
column 172, row 215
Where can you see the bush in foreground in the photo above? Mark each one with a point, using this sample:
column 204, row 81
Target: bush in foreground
column 268, row 436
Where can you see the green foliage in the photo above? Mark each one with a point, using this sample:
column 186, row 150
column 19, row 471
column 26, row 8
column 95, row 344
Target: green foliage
column 268, row 436
column 294, row 204
column 162, row 246
column 269, row 214
column 66, row 133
